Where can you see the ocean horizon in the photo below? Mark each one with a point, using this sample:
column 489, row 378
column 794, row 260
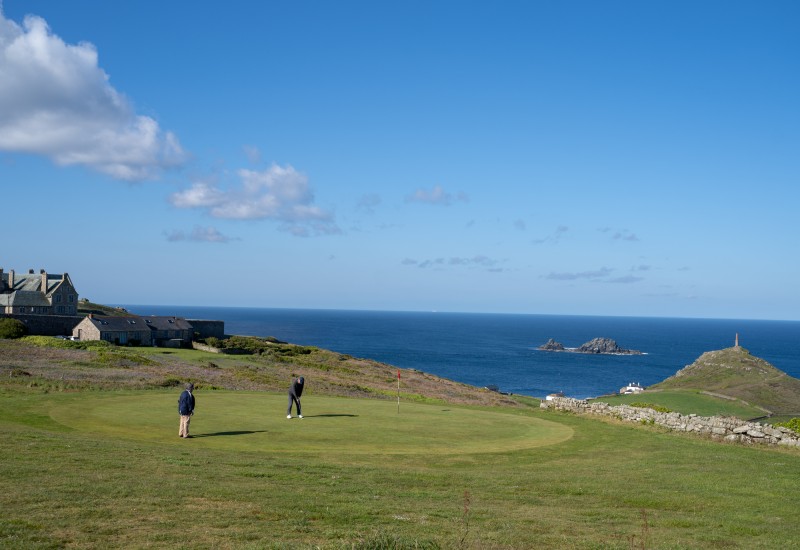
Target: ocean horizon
column 500, row 349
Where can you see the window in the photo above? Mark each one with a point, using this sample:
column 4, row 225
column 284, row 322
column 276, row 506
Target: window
column 70, row 298
column 58, row 298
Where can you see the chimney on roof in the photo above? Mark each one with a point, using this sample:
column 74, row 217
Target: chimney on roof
column 11, row 278
column 30, row 272
column 91, row 316
column 44, row 281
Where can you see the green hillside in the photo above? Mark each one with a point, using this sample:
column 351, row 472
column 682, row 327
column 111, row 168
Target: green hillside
column 734, row 373
column 85, row 307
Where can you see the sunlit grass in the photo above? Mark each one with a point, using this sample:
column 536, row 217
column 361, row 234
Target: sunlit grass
column 106, row 469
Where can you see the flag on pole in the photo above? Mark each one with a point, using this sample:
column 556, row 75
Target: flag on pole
column 398, row 391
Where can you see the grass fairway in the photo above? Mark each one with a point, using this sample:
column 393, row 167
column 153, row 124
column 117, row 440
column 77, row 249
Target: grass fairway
column 256, row 421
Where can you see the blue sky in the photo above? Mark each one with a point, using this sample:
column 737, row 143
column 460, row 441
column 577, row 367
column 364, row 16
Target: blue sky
column 597, row 158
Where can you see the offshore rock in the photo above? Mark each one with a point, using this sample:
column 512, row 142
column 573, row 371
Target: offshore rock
column 597, row 346
column 605, row 345
column 552, row 345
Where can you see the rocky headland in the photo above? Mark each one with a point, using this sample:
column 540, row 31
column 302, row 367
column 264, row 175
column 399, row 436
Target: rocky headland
column 604, row 346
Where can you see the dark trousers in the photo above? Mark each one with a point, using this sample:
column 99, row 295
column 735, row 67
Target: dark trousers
column 296, row 400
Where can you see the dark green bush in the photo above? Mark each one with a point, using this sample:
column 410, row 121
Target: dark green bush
column 12, row 328
column 260, row 346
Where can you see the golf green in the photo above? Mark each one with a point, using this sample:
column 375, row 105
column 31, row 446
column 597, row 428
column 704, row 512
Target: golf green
column 254, row 421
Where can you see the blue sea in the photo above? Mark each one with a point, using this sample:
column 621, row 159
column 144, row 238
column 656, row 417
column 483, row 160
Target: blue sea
column 500, row 349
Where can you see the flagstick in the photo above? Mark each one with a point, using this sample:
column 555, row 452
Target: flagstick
column 398, row 391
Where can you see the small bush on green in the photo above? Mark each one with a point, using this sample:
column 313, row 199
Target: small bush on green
column 657, row 408
column 793, row 424
column 12, row 328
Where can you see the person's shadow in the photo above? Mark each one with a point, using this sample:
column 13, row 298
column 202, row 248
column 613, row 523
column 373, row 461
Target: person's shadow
column 240, row 432
column 328, row 415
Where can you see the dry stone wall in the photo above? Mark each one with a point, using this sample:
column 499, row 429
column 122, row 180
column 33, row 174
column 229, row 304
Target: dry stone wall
column 717, row 427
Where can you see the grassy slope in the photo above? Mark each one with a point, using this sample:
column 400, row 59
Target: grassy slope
column 733, row 372
column 85, row 308
column 688, row 402
column 84, row 464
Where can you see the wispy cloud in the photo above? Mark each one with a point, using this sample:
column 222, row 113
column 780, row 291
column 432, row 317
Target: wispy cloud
column 368, row 203
column 436, row 196
column 625, row 279
column 455, row 262
column 602, row 275
column 252, row 153
column 597, row 274
column 555, row 237
column 277, row 193
column 619, row 234
column 199, row 234
column 56, row 101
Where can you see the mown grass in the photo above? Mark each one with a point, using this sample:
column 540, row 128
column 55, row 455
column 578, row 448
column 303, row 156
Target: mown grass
column 105, row 469
column 689, row 402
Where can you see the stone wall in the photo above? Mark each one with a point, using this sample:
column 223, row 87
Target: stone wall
column 48, row 325
column 717, row 427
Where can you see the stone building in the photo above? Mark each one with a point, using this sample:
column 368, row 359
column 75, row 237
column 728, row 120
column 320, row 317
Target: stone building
column 133, row 330
column 37, row 293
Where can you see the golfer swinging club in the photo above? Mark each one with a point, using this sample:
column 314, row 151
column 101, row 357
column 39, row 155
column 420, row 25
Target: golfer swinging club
column 295, row 391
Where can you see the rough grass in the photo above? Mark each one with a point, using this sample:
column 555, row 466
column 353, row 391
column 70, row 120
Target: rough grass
column 90, row 458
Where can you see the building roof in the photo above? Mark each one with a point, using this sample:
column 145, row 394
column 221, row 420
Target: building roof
column 24, row 298
column 32, row 282
column 110, row 323
column 117, row 324
column 156, row 322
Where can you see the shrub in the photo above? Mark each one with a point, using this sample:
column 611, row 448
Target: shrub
column 12, row 328
column 793, row 424
column 657, row 408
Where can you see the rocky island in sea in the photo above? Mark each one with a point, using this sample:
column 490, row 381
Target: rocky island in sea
column 605, row 346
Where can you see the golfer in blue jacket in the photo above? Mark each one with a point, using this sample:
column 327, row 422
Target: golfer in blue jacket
column 186, row 409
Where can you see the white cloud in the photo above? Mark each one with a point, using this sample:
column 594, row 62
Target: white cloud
column 57, row 102
column 276, row 193
column 437, row 196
